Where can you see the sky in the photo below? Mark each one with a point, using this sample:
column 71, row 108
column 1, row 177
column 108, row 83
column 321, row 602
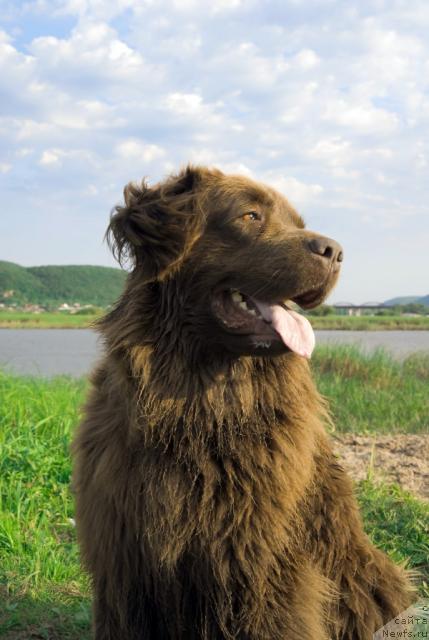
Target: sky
column 326, row 100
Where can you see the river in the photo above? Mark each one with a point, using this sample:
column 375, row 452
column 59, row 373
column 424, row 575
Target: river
column 48, row 352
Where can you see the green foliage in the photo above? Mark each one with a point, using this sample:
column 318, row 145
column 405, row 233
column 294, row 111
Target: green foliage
column 373, row 392
column 414, row 307
column 24, row 284
column 89, row 311
column 53, row 285
column 409, row 307
column 322, row 310
column 389, row 311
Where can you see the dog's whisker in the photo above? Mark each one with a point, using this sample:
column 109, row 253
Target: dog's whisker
column 261, row 290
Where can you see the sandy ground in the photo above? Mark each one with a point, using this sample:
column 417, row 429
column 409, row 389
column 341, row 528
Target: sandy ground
column 403, row 459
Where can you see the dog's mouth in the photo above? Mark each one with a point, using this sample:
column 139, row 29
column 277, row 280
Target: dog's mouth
column 265, row 323
column 309, row 299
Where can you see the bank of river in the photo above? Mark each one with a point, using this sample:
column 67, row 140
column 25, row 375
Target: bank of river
column 61, row 320
column 49, row 352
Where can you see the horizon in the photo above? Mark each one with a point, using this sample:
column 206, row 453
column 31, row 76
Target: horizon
column 327, row 102
column 329, row 300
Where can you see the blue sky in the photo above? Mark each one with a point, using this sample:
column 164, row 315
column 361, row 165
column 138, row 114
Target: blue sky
column 324, row 99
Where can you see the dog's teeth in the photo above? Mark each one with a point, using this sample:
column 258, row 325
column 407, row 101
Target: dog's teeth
column 237, row 297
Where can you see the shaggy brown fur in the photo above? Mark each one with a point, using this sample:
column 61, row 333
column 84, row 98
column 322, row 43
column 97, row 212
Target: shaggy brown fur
column 209, row 502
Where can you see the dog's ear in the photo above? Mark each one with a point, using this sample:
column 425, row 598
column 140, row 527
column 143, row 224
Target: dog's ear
column 158, row 225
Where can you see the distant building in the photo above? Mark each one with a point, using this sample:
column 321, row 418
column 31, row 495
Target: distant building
column 350, row 309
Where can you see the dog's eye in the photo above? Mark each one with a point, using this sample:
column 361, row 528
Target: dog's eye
column 252, row 215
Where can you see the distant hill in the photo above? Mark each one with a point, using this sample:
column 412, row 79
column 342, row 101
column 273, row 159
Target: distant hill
column 100, row 286
column 407, row 300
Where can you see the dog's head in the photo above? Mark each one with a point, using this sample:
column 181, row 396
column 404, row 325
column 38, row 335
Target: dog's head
column 238, row 253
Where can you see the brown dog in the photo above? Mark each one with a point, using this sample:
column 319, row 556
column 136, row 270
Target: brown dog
column 209, row 502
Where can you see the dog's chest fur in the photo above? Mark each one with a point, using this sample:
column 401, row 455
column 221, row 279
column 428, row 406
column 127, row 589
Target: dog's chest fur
column 216, row 480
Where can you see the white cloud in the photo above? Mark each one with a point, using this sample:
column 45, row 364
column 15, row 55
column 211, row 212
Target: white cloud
column 336, row 151
column 328, row 101
column 91, row 190
column 362, row 118
column 31, row 129
column 381, row 152
column 136, row 150
column 243, row 66
column 100, row 9
column 212, row 6
column 23, row 152
column 307, row 59
column 93, row 45
column 219, row 6
column 421, row 160
column 184, row 103
column 50, row 157
column 56, row 157
column 298, row 192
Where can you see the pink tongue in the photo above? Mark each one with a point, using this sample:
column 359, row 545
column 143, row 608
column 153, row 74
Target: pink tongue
column 295, row 330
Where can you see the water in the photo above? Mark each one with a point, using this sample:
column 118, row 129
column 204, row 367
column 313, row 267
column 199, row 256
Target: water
column 399, row 343
column 49, row 352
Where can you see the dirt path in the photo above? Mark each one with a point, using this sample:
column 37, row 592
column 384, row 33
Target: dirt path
column 403, row 459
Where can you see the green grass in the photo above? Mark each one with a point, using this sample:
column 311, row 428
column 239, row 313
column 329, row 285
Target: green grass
column 64, row 320
column 59, row 320
column 40, row 579
column 42, row 588
column 371, row 393
column 398, row 523
column 370, row 323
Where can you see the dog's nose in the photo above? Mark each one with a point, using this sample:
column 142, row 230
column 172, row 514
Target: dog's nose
column 327, row 248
